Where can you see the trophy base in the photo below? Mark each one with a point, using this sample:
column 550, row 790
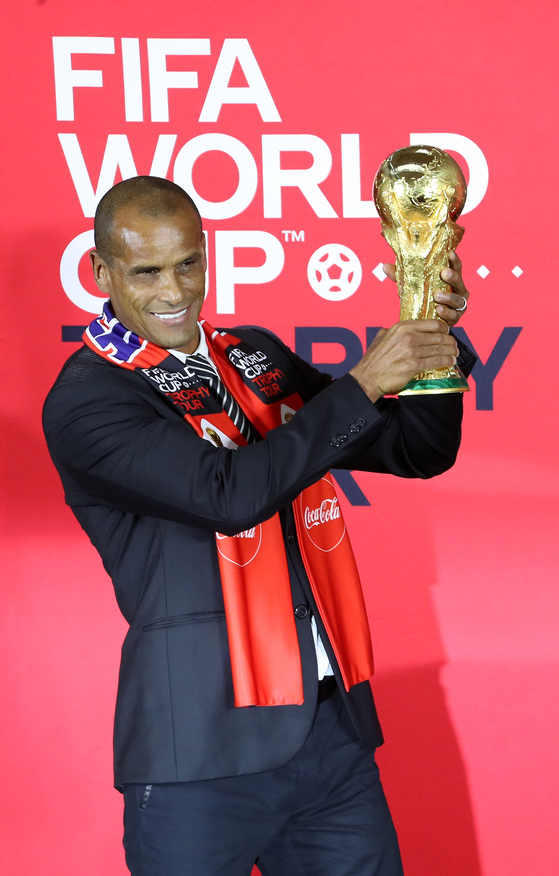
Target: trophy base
column 436, row 383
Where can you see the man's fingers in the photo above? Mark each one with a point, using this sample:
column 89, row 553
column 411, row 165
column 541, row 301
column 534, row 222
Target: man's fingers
column 454, row 279
column 455, row 262
column 416, row 349
column 433, row 351
column 390, row 271
column 449, row 314
column 450, row 300
column 403, row 350
column 429, row 337
column 436, row 362
column 454, row 300
column 449, row 304
column 452, row 304
column 455, row 268
column 422, row 325
column 453, row 276
column 379, row 336
column 445, row 345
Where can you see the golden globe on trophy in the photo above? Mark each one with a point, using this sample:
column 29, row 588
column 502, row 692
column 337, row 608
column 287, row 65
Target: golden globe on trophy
column 419, row 191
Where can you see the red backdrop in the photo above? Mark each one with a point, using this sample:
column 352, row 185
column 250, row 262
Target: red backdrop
column 278, row 116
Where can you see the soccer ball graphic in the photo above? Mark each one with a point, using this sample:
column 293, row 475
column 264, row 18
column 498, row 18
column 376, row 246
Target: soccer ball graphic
column 334, row 272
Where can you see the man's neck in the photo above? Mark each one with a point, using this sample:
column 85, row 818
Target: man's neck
column 202, row 347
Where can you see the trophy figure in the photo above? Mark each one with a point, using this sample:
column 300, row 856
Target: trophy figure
column 419, row 191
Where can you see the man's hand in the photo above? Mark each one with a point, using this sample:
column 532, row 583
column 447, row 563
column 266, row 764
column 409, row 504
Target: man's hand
column 400, row 352
column 450, row 305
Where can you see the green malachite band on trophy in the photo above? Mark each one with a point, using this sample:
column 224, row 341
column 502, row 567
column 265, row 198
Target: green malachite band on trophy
column 433, row 386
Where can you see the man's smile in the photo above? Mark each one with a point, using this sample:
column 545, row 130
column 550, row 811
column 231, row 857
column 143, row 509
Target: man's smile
column 171, row 316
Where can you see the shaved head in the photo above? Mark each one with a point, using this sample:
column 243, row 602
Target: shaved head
column 149, row 196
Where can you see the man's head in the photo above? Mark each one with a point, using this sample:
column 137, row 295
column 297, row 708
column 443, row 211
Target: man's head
column 150, row 259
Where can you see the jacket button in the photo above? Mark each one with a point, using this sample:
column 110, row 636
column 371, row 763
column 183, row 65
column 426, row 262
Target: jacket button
column 360, row 422
column 341, row 438
column 290, row 538
column 354, row 428
column 334, row 442
column 301, row 611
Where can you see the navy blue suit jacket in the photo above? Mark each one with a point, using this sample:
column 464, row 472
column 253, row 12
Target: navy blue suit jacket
column 150, row 494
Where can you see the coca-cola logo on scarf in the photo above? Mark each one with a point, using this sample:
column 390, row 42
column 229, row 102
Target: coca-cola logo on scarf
column 324, row 524
column 240, row 549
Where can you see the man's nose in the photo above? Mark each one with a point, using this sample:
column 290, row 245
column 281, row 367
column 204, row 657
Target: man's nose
column 170, row 287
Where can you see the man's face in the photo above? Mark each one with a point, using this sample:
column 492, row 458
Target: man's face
column 156, row 283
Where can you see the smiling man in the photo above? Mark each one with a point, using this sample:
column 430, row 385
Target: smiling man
column 197, row 462
column 150, row 259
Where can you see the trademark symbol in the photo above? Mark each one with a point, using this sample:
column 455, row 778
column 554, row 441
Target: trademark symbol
column 294, row 236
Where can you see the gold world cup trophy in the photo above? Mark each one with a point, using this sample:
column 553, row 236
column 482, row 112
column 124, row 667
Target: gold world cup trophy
column 419, row 191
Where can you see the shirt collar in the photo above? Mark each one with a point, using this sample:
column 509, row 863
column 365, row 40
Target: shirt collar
column 201, row 349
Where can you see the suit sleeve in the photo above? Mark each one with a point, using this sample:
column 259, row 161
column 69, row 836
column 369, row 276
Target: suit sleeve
column 108, row 440
column 421, row 435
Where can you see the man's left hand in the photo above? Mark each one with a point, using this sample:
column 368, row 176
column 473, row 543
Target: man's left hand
column 450, row 305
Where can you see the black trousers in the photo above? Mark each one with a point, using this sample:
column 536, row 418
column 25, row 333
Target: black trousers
column 322, row 814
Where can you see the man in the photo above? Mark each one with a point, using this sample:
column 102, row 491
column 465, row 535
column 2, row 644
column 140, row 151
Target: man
column 197, row 462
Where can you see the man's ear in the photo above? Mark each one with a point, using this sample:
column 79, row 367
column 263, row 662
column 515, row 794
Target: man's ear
column 100, row 272
column 203, row 250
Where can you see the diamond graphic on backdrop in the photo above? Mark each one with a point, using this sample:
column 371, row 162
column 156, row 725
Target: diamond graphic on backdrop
column 517, row 271
column 379, row 273
column 334, row 272
column 483, row 272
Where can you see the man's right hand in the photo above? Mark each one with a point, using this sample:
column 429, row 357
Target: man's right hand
column 400, row 352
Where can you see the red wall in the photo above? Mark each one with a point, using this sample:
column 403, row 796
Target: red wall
column 460, row 571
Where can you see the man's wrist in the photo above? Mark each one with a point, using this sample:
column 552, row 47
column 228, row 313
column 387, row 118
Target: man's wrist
column 371, row 388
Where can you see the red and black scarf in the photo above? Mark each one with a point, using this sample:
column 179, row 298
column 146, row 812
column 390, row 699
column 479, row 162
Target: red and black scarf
column 261, row 628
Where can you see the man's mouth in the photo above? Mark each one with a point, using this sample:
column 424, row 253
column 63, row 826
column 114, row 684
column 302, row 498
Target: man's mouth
column 176, row 315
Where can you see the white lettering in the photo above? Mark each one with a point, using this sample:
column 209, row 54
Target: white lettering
column 241, row 361
column 275, row 178
column 227, row 275
column 475, row 159
column 70, row 278
column 220, row 92
column 163, row 154
column 170, row 381
column 132, row 77
column 246, row 166
column 354, row 207
column 294, row 236
column 66, row 78
column 251, row 364
column 117, row 156
column 161, row 79
column 328, row 510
